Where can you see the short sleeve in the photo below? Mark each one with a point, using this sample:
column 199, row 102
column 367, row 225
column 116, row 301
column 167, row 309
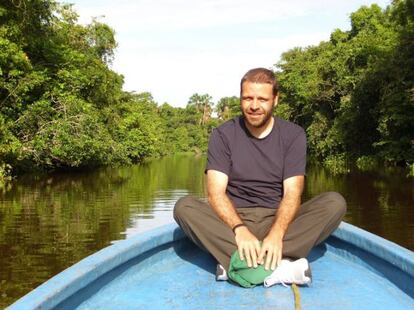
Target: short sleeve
column 218, row 154
column 295, row 157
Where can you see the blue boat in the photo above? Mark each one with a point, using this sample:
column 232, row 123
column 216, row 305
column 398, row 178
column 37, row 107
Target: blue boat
column 162, row 269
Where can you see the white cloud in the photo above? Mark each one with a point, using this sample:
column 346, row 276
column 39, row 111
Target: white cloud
column 179, row 14
column 174, row 48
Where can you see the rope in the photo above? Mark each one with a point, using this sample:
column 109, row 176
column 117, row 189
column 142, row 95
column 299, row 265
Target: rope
column 296, row 295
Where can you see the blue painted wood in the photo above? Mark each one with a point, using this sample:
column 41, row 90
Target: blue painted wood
column 161, row 269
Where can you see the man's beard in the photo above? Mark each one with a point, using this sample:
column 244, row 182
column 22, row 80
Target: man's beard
column 261, row 122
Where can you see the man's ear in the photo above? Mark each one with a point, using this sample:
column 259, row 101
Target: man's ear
column 275, row 101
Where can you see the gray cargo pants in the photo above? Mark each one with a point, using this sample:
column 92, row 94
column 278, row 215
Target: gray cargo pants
column 316, row 219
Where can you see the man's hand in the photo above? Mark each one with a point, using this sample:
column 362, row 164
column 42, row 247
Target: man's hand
column 248, row 246
column 272, row 250
column 289, row 205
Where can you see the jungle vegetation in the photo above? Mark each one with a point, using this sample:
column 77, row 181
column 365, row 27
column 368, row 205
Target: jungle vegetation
column 62, row 107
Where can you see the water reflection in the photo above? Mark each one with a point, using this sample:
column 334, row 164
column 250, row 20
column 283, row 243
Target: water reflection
column 381, row 202
column 47, row 223
column 160, row 214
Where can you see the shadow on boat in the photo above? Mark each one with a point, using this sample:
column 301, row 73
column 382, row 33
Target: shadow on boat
column 317, row 252
column 189, row 252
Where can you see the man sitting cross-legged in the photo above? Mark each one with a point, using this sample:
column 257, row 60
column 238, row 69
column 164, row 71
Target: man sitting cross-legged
column 255, row 178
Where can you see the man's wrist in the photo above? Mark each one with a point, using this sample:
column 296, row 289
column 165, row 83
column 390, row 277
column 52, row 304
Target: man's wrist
column 276, row 234
column 237, row 226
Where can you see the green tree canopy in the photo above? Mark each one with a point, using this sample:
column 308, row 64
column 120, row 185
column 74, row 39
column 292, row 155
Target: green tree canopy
column 354, row 93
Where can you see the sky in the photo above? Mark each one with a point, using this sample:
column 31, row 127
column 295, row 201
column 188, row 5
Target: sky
column 175, row 48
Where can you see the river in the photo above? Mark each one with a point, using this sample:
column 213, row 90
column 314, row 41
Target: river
column 50, row 222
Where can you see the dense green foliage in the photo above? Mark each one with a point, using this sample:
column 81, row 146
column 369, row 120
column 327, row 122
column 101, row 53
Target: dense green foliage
column 54, row 81
column 355, row 93
column 61, row 105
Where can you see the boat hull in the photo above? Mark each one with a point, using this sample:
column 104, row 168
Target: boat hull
column 162, row 269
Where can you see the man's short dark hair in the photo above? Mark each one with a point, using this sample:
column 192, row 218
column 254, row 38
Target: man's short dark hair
column 261, row 75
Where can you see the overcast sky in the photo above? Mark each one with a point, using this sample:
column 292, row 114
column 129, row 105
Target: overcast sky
column 174, row 48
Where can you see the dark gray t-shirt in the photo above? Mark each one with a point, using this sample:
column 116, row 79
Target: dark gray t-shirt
column 256, row 167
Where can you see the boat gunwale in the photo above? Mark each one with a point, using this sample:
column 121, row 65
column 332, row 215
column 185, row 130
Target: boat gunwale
column 383, row 249
column 63, row 285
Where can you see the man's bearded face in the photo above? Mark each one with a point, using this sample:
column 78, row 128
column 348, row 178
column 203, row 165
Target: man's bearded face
column 257, row 102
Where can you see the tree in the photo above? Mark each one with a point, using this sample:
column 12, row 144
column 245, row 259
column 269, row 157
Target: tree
column 203, row 106
column 228, row 107
column 353, row 94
